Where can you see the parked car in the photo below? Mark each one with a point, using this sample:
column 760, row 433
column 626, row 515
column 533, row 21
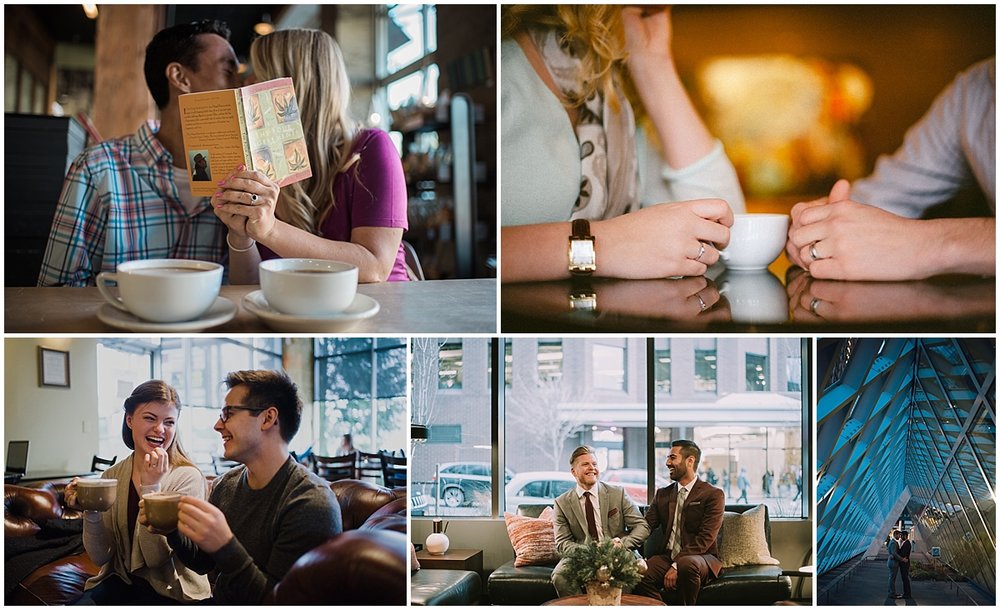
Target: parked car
column 540, row 487
column 634, row 482
column 418, row 504
column 462, row 481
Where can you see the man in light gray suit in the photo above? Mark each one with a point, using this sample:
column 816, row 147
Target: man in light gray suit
column 592, row 512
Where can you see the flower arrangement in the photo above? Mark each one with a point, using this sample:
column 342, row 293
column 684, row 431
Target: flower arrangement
column 604, row 563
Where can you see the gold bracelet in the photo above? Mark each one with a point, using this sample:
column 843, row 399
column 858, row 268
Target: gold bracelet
column 253, row 243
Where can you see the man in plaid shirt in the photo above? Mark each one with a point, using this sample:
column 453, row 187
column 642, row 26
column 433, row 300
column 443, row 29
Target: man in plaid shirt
column 130, row 198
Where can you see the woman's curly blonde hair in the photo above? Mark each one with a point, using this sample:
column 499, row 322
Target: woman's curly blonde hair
column 593, row 30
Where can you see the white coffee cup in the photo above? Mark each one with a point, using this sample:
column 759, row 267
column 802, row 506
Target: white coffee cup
column 757, row 297
column 755, row 240
column 163, row 289
column 308, row 286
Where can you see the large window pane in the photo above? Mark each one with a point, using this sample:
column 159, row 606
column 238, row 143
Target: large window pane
column 361, row 391
column 749, row 435
column 547, row 417
column 452, row 470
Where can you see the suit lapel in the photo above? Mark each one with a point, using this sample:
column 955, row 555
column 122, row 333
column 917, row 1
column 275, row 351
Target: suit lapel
column 604, row 497
column 671, row 498
column 577, row 512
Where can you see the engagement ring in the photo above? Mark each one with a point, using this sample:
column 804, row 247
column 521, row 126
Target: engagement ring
column 253, row 198
column 700, row 254
column 814, row 305
column 813, row 254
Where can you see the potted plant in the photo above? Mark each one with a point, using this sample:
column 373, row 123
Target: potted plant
column 604, row 569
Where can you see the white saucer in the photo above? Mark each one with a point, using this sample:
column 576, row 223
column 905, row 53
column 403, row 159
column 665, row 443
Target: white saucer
column 221, row 311
column 362, row 308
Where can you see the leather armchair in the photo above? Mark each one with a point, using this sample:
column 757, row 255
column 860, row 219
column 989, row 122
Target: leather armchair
column 59, row 582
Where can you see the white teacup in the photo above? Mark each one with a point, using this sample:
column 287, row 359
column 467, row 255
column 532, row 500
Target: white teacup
column 755, row 297
column 307, row 286
column 755, row 240
column 163, row 289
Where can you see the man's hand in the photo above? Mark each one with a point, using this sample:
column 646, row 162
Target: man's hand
column 854, row 241
column 204, row 524
column 670, row 579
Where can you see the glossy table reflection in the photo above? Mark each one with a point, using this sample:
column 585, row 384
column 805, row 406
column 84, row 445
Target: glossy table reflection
column 437, row 306
column 750, row 302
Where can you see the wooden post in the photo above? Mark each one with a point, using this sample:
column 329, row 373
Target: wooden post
column 121, row 99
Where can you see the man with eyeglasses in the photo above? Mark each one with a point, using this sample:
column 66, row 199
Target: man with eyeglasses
column 261, row 516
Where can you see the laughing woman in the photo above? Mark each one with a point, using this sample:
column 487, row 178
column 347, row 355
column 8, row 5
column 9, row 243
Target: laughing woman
column 138, row 567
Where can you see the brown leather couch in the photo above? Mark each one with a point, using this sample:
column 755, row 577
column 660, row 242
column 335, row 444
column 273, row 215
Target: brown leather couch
column 365, row 565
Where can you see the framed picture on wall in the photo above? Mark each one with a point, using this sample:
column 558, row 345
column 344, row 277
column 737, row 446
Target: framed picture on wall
column 53, row 368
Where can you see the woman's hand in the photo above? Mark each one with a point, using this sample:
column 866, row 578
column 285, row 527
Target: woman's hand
column 246, row 202
column 666, row 240
column 648, row 38
column 154, row 466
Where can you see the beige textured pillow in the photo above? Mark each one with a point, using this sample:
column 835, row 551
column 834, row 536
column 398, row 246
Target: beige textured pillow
column 742, row 542
column 534, row 540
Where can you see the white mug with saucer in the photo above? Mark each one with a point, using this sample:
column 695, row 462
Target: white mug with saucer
column 755, row 241
column 307, row 286
column 163, row 289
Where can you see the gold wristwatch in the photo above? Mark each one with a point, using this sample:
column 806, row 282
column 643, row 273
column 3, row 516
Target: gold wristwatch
column 582, row 257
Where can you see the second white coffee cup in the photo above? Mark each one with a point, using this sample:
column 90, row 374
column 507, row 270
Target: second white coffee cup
column 755, row 241
column 308, row 286
column 163, row 289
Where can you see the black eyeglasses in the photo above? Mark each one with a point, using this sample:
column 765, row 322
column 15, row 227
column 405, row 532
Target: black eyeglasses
column 227, row 411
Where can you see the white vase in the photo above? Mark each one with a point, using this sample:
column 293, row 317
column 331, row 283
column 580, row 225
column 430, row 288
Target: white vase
column 437, row 544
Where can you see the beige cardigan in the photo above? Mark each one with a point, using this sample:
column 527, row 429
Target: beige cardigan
column 123, row 553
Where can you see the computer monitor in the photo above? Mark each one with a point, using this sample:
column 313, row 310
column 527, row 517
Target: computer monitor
column 17, row 457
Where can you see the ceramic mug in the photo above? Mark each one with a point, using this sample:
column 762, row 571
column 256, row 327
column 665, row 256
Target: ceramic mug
column 162, row 508
column 308, row 287
column 755, row 241
column 163, row 289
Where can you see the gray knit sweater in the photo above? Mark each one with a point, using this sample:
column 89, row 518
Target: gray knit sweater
column 272, row 527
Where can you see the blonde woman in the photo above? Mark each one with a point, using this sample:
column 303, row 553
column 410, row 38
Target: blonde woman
column 139, row 567
column 570, row 151
column 353, row 209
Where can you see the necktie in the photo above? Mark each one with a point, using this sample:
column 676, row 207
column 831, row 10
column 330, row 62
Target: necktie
column 675, row 535
column 591, row 518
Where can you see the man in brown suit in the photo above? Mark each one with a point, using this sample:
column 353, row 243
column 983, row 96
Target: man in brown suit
column 690, row 556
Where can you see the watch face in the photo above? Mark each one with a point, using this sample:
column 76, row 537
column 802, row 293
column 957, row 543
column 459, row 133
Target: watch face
column 582, row 256
column 583, row 301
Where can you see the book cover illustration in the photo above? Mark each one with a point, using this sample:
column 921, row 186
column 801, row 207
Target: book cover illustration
column 257, row 125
